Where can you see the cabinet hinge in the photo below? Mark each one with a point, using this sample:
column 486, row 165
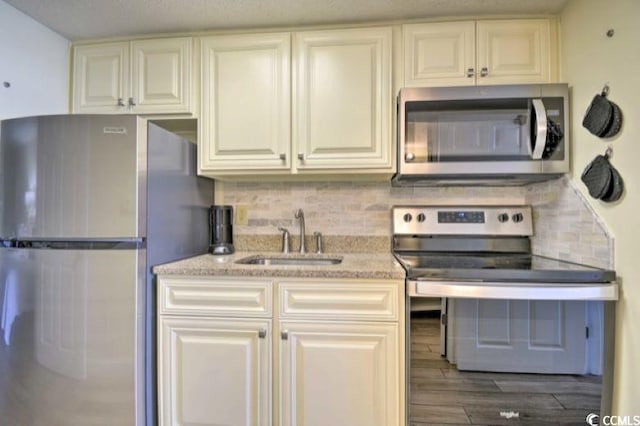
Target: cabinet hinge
column 586, row 332
column 443, row 319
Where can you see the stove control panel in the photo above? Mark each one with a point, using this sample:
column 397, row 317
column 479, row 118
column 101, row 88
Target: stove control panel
column 462, row 220
column 460, row 216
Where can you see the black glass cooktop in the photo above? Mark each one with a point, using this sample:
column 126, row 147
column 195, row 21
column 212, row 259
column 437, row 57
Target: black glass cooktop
column 496, row 267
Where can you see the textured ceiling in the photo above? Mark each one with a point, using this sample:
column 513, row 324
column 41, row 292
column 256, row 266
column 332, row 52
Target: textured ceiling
column 86, row 19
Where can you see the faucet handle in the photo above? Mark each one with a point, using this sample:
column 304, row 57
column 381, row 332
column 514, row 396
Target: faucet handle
column 318, row 236
column 285, row 239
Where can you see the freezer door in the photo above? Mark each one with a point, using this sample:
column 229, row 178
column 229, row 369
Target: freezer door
column 68, row 327
column 72, row 176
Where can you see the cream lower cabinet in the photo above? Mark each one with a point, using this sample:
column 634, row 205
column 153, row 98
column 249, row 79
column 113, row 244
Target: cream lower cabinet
column 487, row 52
column 332, row 114
column 331, row 354
column 140, row 77
column 339, row 374
column 341, row 352
column 214, row 351
column 215, row 371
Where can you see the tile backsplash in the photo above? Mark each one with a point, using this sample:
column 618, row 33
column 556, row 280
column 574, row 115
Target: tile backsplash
column 344, row 208
column 564, row 225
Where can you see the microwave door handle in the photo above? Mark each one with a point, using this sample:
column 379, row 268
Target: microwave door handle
column 539, row 134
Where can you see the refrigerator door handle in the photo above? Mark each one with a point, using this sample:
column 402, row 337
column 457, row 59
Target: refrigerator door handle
column 7, row 242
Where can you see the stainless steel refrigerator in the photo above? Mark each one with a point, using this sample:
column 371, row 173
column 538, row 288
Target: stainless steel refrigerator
column 88, row 204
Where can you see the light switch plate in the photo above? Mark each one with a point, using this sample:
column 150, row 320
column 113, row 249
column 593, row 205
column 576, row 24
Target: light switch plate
column 241, row 214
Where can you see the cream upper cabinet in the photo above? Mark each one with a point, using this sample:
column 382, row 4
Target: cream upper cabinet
column 100, row 78
column 245, row 103
column 342, row 99
column 141, row 77
column 332, row 113
column 439, row 54
column 514, row 52
column 161, row 75
column 480, row 52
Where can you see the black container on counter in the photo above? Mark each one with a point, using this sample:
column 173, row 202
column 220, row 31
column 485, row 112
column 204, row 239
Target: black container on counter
column 221, row 223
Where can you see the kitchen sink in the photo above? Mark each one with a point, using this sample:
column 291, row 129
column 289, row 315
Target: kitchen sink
column 282, row 260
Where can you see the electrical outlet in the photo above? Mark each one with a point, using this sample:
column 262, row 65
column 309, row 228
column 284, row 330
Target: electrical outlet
column 241, row 215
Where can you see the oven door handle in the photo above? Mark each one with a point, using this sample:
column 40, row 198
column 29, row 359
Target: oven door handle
column 513, row 290
column 538, row 123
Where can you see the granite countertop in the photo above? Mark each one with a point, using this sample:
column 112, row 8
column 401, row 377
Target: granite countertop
column 378, row 265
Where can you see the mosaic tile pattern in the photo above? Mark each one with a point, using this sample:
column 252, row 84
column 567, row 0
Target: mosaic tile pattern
column 344, row 208
column 565, row 226
column 330, row 243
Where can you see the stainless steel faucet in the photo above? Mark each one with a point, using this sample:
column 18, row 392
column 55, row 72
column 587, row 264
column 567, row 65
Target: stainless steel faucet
column 300, row 215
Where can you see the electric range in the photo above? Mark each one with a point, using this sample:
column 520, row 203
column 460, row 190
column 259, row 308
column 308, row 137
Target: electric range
column 485, row 252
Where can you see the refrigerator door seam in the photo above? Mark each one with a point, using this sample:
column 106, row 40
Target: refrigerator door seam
column 78, row 244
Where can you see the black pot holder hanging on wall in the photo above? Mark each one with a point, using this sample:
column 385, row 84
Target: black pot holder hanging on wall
column 602, row 179
column 603, row 117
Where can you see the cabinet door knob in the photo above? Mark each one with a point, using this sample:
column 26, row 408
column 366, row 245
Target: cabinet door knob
column 131, row 103
column 284, row 334
column 262, row 333
column 300, row 156
column 471, row 72
column 409, row 157
column 120, row 102
column 283, row 157
column 484, row 72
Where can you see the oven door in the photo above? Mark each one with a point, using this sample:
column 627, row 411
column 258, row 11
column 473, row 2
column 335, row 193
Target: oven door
column 539, row 352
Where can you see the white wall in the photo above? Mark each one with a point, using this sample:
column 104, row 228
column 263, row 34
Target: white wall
column 35, row 61
column 590, row 59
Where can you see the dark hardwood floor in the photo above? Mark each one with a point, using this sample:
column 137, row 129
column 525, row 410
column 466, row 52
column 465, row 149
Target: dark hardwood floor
column 442, row 395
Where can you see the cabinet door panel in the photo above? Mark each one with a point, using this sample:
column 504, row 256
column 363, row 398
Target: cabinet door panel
column 332, row 300
column 519, row 336
column 161, row 79
column 214, row 372
column 339, row 374
column 439, row 54
column 100, row 78
column 343, row 104
column 246, row 102
column 514, row 51
column 215, row 296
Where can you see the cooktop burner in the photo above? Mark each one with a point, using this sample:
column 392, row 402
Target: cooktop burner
column 520, row 268
column 466, row 261
column 484, row 244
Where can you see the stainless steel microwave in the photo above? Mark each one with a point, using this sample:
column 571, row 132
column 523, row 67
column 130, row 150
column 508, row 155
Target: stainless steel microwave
column 491, row 135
